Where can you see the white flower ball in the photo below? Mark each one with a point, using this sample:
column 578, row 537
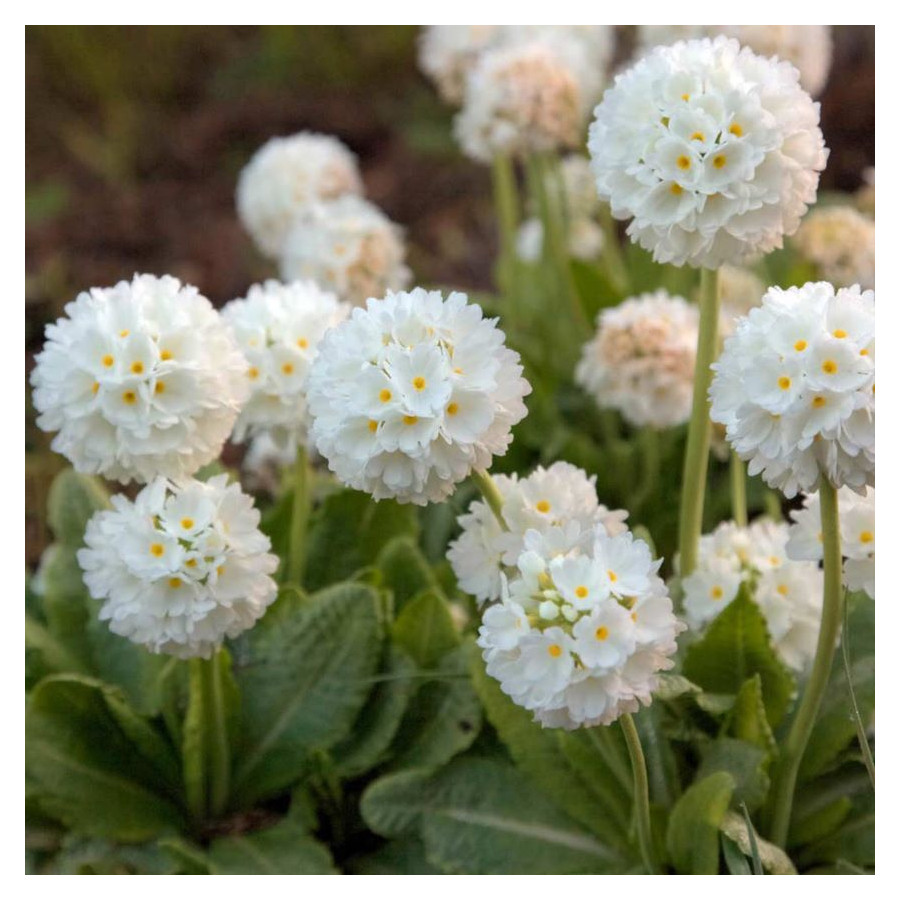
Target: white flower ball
column 555, row 497
column 139, row 380
column 410, row 394
column 284, row 177
column 714, row 153
column 447, row 53
column 856, row 516
column 181, row 568
column 841, row 243
column 795, row 388
column 788, row 593
column 278, row 327
column 347, row 246
column 582, row 629
column 641, row 360
column 808, row 47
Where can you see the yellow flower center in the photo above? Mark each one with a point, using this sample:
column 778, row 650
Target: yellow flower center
column 157, row 550
column 829, row 367
column 866, row 537
column 554, row 650
column 287, row 368
column 719, row 161
column 683, row 162
column 302, row 343
column 95, row 387
column 602, row 633
column 165, row 355
column 373, row 425
column 676, row 189
column 581, row 592
column 452, row 409
column 784, row 383
column 839, row 333
column 717, row 593
column 160, row 387
column 187, row 523
column 611, row 575
column 685, row 97
column 253, row 373
column 191, row 563
column 775, row 560
column 819, row 402
column 419, row 383
column 123, row 333
column 384, row 395
column 410, row 420
column 174, row 582
column 698, row 136
column 543, row 506
column 107, row 361
column 736, row 129
column 800, row 346
column 782, row 589
column 129, row 397
column 137, row 368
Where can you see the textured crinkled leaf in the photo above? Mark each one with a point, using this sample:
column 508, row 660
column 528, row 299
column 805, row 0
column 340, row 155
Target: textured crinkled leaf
column 692, row 837
column 774, row 860
column 747, row 720
column 284, row 849
column 72, row 500
column 405, row 571
column 745, row 762
column 425, row 629
column 403, row 857
column 65, row 600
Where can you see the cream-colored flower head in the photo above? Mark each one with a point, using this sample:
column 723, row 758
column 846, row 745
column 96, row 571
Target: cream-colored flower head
column 713, row 152
column 740, row 290
column 447, row 53
column 841, row 243
column 347, row 246
column 284, row 177
column 641, row 360
column 139, row 380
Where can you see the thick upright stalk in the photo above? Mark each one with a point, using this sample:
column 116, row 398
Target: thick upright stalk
column 696, row 457
column 641, row 791
column 299, row 518
column 490, row 494
column 611, row 253
column 798, row 737
column 738, row 479
column 218, row 744
column 506, row 203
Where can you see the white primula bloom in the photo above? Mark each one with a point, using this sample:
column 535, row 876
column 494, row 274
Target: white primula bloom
column 347, row 246
column 840, row 242
column 714, row 153
column 856, row 515
column 560, row 498
column 284, row 177
column 139, row 380
column 410, row 394
column 641, row 360
column 808, row 47
column 278, row 327
column 795, row 387
column 447, row 53
column 182, row 567
column 788, row 592
column 579, row 637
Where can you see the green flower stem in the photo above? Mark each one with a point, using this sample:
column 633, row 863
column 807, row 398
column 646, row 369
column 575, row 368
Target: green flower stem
column 738, row 490
column 696, row 457
column 785, row 778
column 861, row 735
column 506, row 203
column 611, row 254
column 219, row 747
column 299, row 518
column 491, row 495
column 641, row 791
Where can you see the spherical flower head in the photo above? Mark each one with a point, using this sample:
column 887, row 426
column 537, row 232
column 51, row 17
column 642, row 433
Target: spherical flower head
column 714, row 153
column 580, row 635
column 840, row 242
column 561, row 498
column 181, row 568
column 739, row 292
column 410, row 394
column 284, row 177
column 278, row 327
column 788, row 592
column 641, row 360
column 795, row 388
column 856, row 515
column 347, row 246
column 447, row 53
column 521, row 99
column 139, row 380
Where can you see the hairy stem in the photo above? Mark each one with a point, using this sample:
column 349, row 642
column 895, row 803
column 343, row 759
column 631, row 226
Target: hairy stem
column 299, row 518
column 738, row 477
column 641, row 791
column 490, row 494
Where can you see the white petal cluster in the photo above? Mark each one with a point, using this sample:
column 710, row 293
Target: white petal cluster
column 788, row 593
column 795, row 387
column 641, row 360
column 139, row 380
column 410, row 394
column 841, row 243
column 278, row 327
column 284, row 177
column 551, row 498
column 713, row 152
column 583, row 628
column 347, row 246
column 808, row 47
column 181, row 568
column 856, row 515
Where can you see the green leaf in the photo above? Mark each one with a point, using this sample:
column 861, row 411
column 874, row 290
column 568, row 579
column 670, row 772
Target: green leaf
column 303, row 678
column 65, row 600
column 747, row 720
column 187, row 857
column 425, row 629
column 404, row 857
column 735, row 861
column 587, row 772
column 692, row 838
column 745, row 762
column 405, row 571
column 774, row 860
column 443, row 717
column 72, row 500
column 53, row 653
column 819, row 824
column 285, row 849
column 98, row 767
column 735, row 647
column 348, row 531
column 93, row 856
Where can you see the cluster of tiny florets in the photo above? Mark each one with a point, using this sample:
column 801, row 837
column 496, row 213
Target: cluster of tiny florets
column 410, row 394
column 857, row 527
column 181, row 568
column 278, row 327
column 795, row 388
column 583, row 627
column 841, row 243
column 139, row 380
column 713, row 152
column 641, row 360
column 554, row 497
column 788, row 592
